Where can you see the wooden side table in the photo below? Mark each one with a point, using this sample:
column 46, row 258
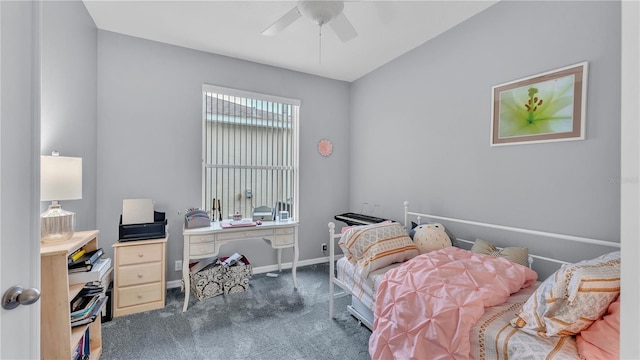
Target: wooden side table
column 59, row 339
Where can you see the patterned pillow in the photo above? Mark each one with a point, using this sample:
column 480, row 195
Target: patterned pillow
column 516, row 255
column 572, row 298
column 375, row 246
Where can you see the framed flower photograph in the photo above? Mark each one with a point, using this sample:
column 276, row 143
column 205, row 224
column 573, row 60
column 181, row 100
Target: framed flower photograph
column 541, row 108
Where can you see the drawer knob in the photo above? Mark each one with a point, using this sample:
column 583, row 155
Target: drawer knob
column 139, row 296
column 140, row 276
column 140, row 255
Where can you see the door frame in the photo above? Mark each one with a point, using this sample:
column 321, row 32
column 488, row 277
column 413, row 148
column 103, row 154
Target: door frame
column 29, row 347
column 629, row 180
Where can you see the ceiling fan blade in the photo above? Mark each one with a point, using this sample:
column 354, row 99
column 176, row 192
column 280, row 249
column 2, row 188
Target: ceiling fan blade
column 386, row 11
column 343, row 28
column 286, row 20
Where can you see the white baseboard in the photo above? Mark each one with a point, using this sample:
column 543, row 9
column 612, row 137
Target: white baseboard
column 267, row 268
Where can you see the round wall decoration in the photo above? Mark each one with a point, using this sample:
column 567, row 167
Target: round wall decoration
column 325, row 148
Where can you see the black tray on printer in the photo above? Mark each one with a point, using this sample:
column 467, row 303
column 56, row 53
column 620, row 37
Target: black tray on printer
column 154, row 230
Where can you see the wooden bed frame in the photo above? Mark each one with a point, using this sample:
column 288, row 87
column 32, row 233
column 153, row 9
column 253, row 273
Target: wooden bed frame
column 365, row 315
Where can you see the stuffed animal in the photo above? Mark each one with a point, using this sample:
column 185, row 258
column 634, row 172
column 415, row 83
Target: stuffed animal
column 430, row 237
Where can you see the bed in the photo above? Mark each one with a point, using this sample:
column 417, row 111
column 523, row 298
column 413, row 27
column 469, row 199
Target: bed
column 461, row 311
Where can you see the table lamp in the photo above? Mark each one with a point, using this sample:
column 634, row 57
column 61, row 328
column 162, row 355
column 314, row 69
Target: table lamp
column 60, row 179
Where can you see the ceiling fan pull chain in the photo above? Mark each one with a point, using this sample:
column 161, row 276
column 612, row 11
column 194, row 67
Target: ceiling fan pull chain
column 320, row 44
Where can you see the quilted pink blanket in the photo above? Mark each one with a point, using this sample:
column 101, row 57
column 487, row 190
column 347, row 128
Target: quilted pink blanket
column 426, row 308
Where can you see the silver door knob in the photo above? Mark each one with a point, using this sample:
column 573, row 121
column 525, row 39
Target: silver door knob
column 16, row 296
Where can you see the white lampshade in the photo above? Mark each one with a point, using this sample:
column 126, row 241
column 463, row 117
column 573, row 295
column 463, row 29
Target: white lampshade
column 60, row 179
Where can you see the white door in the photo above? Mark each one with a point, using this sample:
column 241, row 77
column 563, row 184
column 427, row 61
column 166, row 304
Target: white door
column 19, row 174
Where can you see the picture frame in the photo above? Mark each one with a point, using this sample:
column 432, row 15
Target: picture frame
column 546, row 107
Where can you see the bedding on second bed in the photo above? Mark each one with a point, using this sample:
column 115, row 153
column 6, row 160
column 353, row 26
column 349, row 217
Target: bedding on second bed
column 493, row 337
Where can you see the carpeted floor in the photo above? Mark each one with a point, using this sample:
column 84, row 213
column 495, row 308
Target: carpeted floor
column 269, row 321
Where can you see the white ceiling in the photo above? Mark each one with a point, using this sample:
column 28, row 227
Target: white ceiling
column 386, row 30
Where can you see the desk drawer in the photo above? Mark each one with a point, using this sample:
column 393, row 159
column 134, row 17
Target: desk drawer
column 196, row 239
column 202, row 249
column 232, row 235
column 138, row 254
column 283, row 240
column 135, row 295
column 285, row 231
column 139, row 274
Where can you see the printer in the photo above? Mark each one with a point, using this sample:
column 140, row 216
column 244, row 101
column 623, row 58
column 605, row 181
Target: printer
column 139, row 221
column 151, row 230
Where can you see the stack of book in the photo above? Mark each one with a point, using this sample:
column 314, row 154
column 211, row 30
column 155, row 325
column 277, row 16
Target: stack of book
column 83, row 349
column 87, row 304
column 89, row 266
column 82, row 260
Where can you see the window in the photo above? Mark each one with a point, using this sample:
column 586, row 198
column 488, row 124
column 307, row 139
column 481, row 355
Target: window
column 250, row 152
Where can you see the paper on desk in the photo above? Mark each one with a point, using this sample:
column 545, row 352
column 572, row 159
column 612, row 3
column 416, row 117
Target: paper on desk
column 137, row 211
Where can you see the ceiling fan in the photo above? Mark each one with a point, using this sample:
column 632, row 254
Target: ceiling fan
column 321, row 13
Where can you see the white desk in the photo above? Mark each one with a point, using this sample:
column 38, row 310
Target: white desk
column 205, row 242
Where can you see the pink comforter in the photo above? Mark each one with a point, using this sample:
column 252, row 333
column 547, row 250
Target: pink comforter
column 426, row 308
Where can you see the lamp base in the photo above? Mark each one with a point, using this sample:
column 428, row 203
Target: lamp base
column 56, row 225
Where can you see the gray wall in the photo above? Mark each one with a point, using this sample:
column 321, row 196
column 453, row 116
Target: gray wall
column 148, row 128
column 69, row 97
column 423, row 120
column 149, row 137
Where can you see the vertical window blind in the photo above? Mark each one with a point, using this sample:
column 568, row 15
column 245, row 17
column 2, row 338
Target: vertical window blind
column 250, row 152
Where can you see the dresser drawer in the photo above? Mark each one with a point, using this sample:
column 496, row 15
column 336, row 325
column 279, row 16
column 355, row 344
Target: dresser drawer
column 138, row 254
column 202, row 249
column 139, row 274
column 139, row 294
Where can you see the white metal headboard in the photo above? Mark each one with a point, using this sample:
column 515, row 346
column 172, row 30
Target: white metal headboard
column 419, row 216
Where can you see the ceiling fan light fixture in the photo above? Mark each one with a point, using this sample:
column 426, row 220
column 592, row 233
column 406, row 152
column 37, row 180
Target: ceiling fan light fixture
column 321, row 12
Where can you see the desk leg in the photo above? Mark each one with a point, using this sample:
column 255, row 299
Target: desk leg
column 187, row 285
column 295, row 264
column 279, row 260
